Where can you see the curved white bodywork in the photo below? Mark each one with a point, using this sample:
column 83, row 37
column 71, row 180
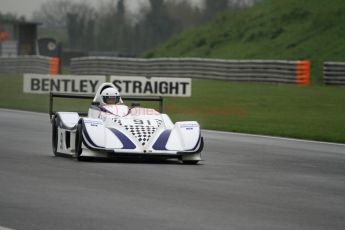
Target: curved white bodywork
column 110, row 130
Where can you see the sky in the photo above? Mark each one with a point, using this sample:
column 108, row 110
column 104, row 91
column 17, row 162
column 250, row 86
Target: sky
column 23, row 7
column 27, row 7
column 20, row 7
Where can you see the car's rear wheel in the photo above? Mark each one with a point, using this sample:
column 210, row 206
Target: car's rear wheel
column 55, row 136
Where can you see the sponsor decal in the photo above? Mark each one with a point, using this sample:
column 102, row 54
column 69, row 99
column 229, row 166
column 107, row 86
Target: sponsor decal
column 153, row 86
column 93, row 123
column 189, row 126
column 77, row 84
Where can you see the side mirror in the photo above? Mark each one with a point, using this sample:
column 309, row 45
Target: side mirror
column 95, row 103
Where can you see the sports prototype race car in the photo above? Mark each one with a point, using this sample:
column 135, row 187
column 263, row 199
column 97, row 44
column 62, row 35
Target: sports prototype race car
column 110, row 128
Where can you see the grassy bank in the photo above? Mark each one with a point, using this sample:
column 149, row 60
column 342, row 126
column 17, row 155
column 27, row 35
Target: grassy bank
column 315, row 112
column 284, row 29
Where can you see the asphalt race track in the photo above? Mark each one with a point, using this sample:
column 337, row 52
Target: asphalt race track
column 245, row 182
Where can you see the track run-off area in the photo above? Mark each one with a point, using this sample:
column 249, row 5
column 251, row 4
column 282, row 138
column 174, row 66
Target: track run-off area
column 244, row 182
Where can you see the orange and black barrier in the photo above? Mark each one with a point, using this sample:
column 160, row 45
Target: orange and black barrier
column 303, row 73
column 54, row 66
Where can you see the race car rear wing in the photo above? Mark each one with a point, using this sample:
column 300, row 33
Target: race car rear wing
column 125, row 98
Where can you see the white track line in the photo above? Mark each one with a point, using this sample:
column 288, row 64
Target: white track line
column 275, row 138
column 3, row 228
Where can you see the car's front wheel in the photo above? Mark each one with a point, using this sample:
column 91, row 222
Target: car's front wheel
column 193, row 159
column 190, row 162
column 79, row 142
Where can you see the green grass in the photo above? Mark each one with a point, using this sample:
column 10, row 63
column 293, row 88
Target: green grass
column 284, row 29
column 315, row 112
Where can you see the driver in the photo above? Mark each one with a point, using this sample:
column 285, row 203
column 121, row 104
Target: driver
column 111, row 96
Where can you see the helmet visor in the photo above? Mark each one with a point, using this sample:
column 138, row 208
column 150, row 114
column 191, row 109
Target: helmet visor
column 111, row 99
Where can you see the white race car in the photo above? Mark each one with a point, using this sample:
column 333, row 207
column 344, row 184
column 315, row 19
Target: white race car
column 111, row 128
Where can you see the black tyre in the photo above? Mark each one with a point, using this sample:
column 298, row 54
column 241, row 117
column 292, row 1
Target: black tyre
column 194, row 162
column 79, row 142
column 55, row 136
column 190, row 162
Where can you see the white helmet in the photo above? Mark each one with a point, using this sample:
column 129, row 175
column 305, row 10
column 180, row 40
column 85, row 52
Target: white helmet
column 110, row 96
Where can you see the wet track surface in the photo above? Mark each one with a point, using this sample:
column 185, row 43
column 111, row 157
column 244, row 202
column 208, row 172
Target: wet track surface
column 245, row 182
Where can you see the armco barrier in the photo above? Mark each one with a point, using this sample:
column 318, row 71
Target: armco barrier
column 278, row 71
column 334, row 73
column 29, row 64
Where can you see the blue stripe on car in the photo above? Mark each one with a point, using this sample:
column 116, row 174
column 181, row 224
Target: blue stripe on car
column 162, row 140
column 127, row 143
column 88, row 138
column 197, row 144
